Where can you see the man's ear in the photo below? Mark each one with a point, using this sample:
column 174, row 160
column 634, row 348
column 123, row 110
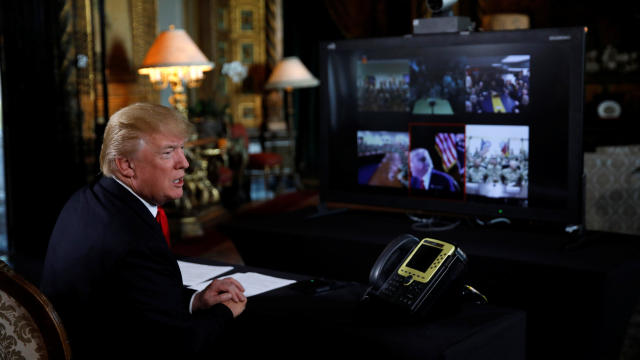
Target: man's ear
column 125, row 166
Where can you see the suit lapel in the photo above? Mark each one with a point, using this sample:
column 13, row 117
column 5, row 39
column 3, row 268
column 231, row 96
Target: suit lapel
column 129, row 200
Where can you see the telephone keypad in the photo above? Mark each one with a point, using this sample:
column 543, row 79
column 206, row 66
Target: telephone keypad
column 420, row 275
column 402, row 290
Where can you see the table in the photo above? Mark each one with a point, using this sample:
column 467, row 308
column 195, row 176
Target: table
column 578, row 293
column 296, row 322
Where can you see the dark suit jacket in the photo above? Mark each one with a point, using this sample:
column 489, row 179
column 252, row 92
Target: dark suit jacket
column 117, row 286
column 440, row 181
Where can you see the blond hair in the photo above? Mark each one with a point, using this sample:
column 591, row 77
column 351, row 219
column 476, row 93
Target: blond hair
column 126, row 128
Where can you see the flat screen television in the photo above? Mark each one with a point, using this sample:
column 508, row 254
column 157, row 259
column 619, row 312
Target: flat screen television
column 484, row 124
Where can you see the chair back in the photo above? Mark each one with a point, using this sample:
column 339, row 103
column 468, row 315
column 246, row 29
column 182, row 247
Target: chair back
column 29, row 326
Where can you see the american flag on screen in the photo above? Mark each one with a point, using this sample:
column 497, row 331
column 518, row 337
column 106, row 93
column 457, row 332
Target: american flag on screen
column 446, row 146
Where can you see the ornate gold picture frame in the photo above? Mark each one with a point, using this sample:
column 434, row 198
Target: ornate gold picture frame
column 249, row 110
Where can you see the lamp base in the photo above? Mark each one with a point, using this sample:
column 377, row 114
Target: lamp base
column 179, row 102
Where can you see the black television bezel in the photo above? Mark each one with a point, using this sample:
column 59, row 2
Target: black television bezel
column 572, row 214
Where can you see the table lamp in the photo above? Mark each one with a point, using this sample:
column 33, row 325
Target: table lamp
column 290, row 73
column 173, row 59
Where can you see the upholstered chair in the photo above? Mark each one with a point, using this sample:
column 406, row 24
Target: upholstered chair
column 29, row 326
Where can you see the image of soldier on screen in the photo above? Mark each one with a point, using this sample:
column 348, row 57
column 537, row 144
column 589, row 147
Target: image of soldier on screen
column 382, row 158
column 383, row 85
column 498, row 161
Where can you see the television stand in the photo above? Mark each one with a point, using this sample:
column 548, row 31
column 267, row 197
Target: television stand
column 494, row 221
column 323, row 210
column 433, row 223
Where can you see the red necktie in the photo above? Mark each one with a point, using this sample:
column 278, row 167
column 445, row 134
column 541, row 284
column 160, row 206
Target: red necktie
column 161, row 217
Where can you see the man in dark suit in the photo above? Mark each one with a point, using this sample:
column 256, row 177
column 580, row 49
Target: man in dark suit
column 109, row 272
column 425, row 177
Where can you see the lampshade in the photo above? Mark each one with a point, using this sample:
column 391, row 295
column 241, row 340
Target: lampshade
column 174, row 48
column 290, row 73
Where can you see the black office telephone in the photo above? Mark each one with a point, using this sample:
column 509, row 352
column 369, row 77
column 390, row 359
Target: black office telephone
column 412, row 275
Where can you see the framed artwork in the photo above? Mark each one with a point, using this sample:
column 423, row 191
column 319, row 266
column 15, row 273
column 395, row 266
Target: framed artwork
column 249, row 110
column 248, row 17
column 246, row 53
column 246, row 43
column 246, row 20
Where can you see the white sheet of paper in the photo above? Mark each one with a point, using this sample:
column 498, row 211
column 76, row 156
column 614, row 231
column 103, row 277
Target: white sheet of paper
column 193, row 273
column 252, row 282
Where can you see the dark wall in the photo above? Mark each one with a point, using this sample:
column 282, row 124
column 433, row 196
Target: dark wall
column 43, row 158
column 306, row 23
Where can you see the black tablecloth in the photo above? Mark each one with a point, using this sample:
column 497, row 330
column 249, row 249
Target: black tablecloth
column 297, row 322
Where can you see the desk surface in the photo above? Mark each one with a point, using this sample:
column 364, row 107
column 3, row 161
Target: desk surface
column 578, row 294
column 291, row 323
column 594, row 251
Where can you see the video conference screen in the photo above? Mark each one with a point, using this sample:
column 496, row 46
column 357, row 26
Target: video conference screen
column 485, row 84
column 487, row 123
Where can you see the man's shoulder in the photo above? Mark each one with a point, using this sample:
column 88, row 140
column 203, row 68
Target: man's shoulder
column 85, row 196
column 103, row 201
column 96, row 212
column 100, row 184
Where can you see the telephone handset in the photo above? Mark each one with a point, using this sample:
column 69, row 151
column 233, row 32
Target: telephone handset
column 412, row 274
column 394, row 253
